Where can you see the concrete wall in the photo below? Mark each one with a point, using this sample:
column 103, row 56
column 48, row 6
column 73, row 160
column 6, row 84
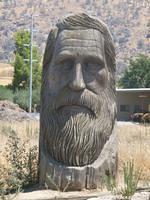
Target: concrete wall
column 141, row 99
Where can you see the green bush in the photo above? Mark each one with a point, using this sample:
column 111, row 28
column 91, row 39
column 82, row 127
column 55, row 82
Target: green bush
column 36, row 97
column 6, row 93
column 21, row 97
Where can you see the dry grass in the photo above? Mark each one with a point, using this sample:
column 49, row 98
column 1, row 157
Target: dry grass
column 6, row 74
column 27, row 131
column 134, row 142
column 6, row 81
column 4, row 68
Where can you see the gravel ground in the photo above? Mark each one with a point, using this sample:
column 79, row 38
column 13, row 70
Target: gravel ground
column 137, row 196
column 83, row 195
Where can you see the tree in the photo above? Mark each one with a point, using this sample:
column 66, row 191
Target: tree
column 137, row 75
column 21, row 67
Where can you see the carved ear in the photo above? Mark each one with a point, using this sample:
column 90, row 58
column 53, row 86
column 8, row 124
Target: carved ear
column 49, row 47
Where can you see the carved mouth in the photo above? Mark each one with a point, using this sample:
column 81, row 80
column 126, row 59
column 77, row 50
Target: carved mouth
column 77, row 109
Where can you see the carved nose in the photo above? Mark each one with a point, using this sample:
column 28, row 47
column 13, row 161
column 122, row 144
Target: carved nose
column 77, row 81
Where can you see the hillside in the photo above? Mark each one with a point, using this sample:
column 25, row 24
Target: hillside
column 128, row 20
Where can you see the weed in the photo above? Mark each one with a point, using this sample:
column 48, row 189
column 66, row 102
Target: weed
column 131, row 179
column 110, row 183
column 57, row 185
column 22, row 170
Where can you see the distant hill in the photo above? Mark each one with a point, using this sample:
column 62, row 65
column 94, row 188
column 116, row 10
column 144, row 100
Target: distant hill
column 128, row 20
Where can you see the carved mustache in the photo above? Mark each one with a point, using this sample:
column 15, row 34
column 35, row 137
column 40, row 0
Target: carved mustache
column 84, row 99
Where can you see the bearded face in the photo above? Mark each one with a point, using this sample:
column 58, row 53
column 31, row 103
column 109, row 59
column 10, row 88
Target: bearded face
column 78, row 108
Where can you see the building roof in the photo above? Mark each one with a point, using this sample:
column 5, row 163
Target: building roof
column 133, row 90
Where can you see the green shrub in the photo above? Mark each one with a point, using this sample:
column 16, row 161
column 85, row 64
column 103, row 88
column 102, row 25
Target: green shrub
column 36, row 97
column 21, row 97
column 6, row 93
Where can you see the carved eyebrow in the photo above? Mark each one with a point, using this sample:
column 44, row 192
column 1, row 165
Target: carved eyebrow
column 88, row 57
column 96, row 58
column 64, row 56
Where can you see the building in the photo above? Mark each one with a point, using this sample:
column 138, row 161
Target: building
column 131, row 101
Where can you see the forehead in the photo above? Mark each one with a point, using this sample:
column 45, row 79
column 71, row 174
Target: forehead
column 80, row 42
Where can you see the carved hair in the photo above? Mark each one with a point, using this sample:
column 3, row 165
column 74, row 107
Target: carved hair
column 81, row 22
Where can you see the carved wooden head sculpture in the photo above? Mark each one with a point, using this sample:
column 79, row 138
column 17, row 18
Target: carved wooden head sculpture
column 78, row 107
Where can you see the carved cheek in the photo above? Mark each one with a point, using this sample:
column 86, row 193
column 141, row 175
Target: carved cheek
column 97, row 81
column 59, row 78
column 53, row 78
column 102, row 77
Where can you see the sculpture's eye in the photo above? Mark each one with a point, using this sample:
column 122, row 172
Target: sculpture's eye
column 93, row 66
column 66, row 64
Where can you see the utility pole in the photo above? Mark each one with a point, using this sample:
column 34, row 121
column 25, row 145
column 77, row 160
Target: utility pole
column 30, row 87
column 31, row 61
